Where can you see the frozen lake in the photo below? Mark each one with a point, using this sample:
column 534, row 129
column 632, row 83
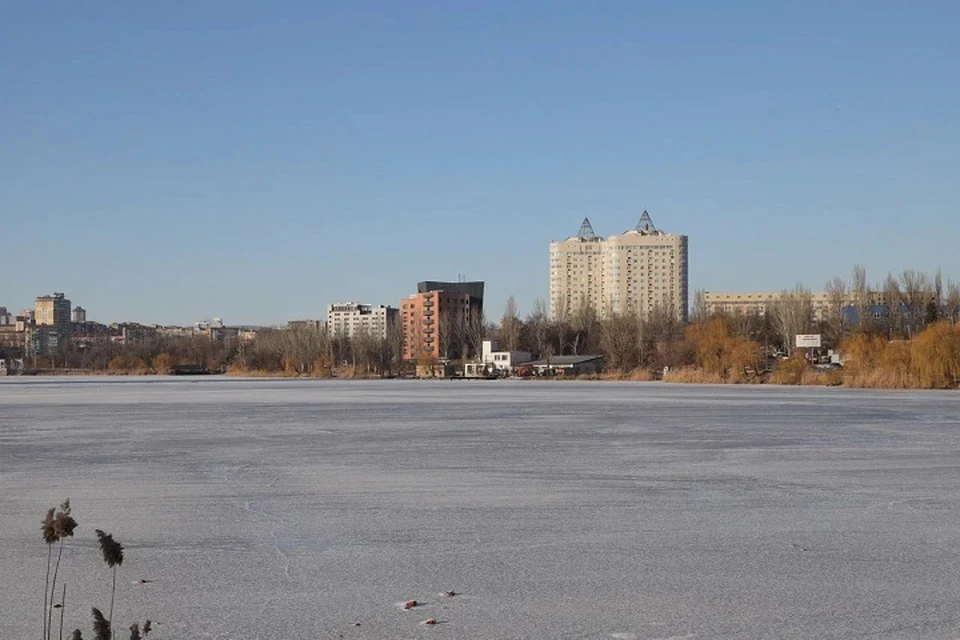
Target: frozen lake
column 281, row 509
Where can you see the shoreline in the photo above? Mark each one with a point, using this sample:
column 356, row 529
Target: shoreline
column 690, row 377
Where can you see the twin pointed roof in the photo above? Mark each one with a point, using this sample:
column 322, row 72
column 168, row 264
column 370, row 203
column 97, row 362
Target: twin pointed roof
column 586, row 231
column 645, row 225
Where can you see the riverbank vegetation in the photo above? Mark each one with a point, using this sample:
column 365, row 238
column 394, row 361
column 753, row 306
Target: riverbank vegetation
column 899, row 334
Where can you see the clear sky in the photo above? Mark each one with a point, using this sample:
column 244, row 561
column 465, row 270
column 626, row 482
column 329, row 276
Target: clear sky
column 173, row 161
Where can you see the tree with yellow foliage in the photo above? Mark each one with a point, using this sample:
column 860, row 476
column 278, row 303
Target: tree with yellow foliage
column 721, row 353
column 935, row 355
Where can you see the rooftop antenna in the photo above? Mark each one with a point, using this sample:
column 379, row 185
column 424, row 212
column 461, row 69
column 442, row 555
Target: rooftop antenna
column 586, row 231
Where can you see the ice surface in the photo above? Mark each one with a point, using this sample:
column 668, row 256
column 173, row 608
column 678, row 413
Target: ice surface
column 296, row 509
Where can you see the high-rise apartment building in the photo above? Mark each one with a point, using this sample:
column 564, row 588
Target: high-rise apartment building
column 637, row 272
column 53, row 311
column 352, row 318
column 441, row 319
column 52, row 324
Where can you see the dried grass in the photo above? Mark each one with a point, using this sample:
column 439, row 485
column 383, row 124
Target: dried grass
column 693, row 375
column 238, row 371
column 814, row 378
column 635, row 375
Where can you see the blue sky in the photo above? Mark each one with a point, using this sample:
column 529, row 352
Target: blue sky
column 169, row 162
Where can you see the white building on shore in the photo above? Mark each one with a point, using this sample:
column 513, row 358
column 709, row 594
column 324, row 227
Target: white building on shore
column 503, row 360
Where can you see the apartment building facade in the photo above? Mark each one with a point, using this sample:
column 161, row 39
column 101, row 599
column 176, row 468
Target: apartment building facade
column 348, row 319
column 52, row 324
column 53, row 311
column 754, row 303
column 637, row 272
column 437, row 319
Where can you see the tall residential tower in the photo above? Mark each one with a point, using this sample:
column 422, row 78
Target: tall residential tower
column 637, row 272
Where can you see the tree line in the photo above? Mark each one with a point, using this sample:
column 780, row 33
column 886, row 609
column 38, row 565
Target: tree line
column 884, row 330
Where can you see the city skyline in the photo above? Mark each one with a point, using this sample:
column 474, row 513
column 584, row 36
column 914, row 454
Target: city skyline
column 169, row 164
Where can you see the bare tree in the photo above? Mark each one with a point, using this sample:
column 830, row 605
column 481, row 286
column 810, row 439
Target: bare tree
column 584, row 324
column 395, row 343
column 699, row 312
column 934, row 311
column 917, row 291
column 951, row 305
column 365, row 349
column 302, row 346
column 618, row 340
column 791, row 313
column 510, row 327
column 561, row 325
column 448, row 330
column 894, row 298
column 475, row 331
column 836, row 302
column 539, row 325
column 861, row 294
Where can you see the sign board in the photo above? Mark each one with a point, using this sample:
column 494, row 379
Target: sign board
column 807, row 340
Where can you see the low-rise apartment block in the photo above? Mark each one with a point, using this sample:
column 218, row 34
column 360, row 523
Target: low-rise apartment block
column 306, row 325
column 758, row 303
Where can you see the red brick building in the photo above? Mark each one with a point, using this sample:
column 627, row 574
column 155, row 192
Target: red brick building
column 439, row 319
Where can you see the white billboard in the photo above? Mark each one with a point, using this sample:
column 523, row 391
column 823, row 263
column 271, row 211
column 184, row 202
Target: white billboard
column 808, row 340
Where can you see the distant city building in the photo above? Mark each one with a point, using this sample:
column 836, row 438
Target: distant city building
column 85, row 334
column 13, row 336
column 351, row 318
column 132, row 333
column 312, row 325
column 246, row 334
column 45, row 340
column 52, row 326
column 205, row 325
column 637, row 272
column 53, row 311
column 79, row 315
column 751, row 303
column 216, row 330
column 10, row 366
column 759, row 303
column 437, row 319
column 174, row 331
column 6, row 318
